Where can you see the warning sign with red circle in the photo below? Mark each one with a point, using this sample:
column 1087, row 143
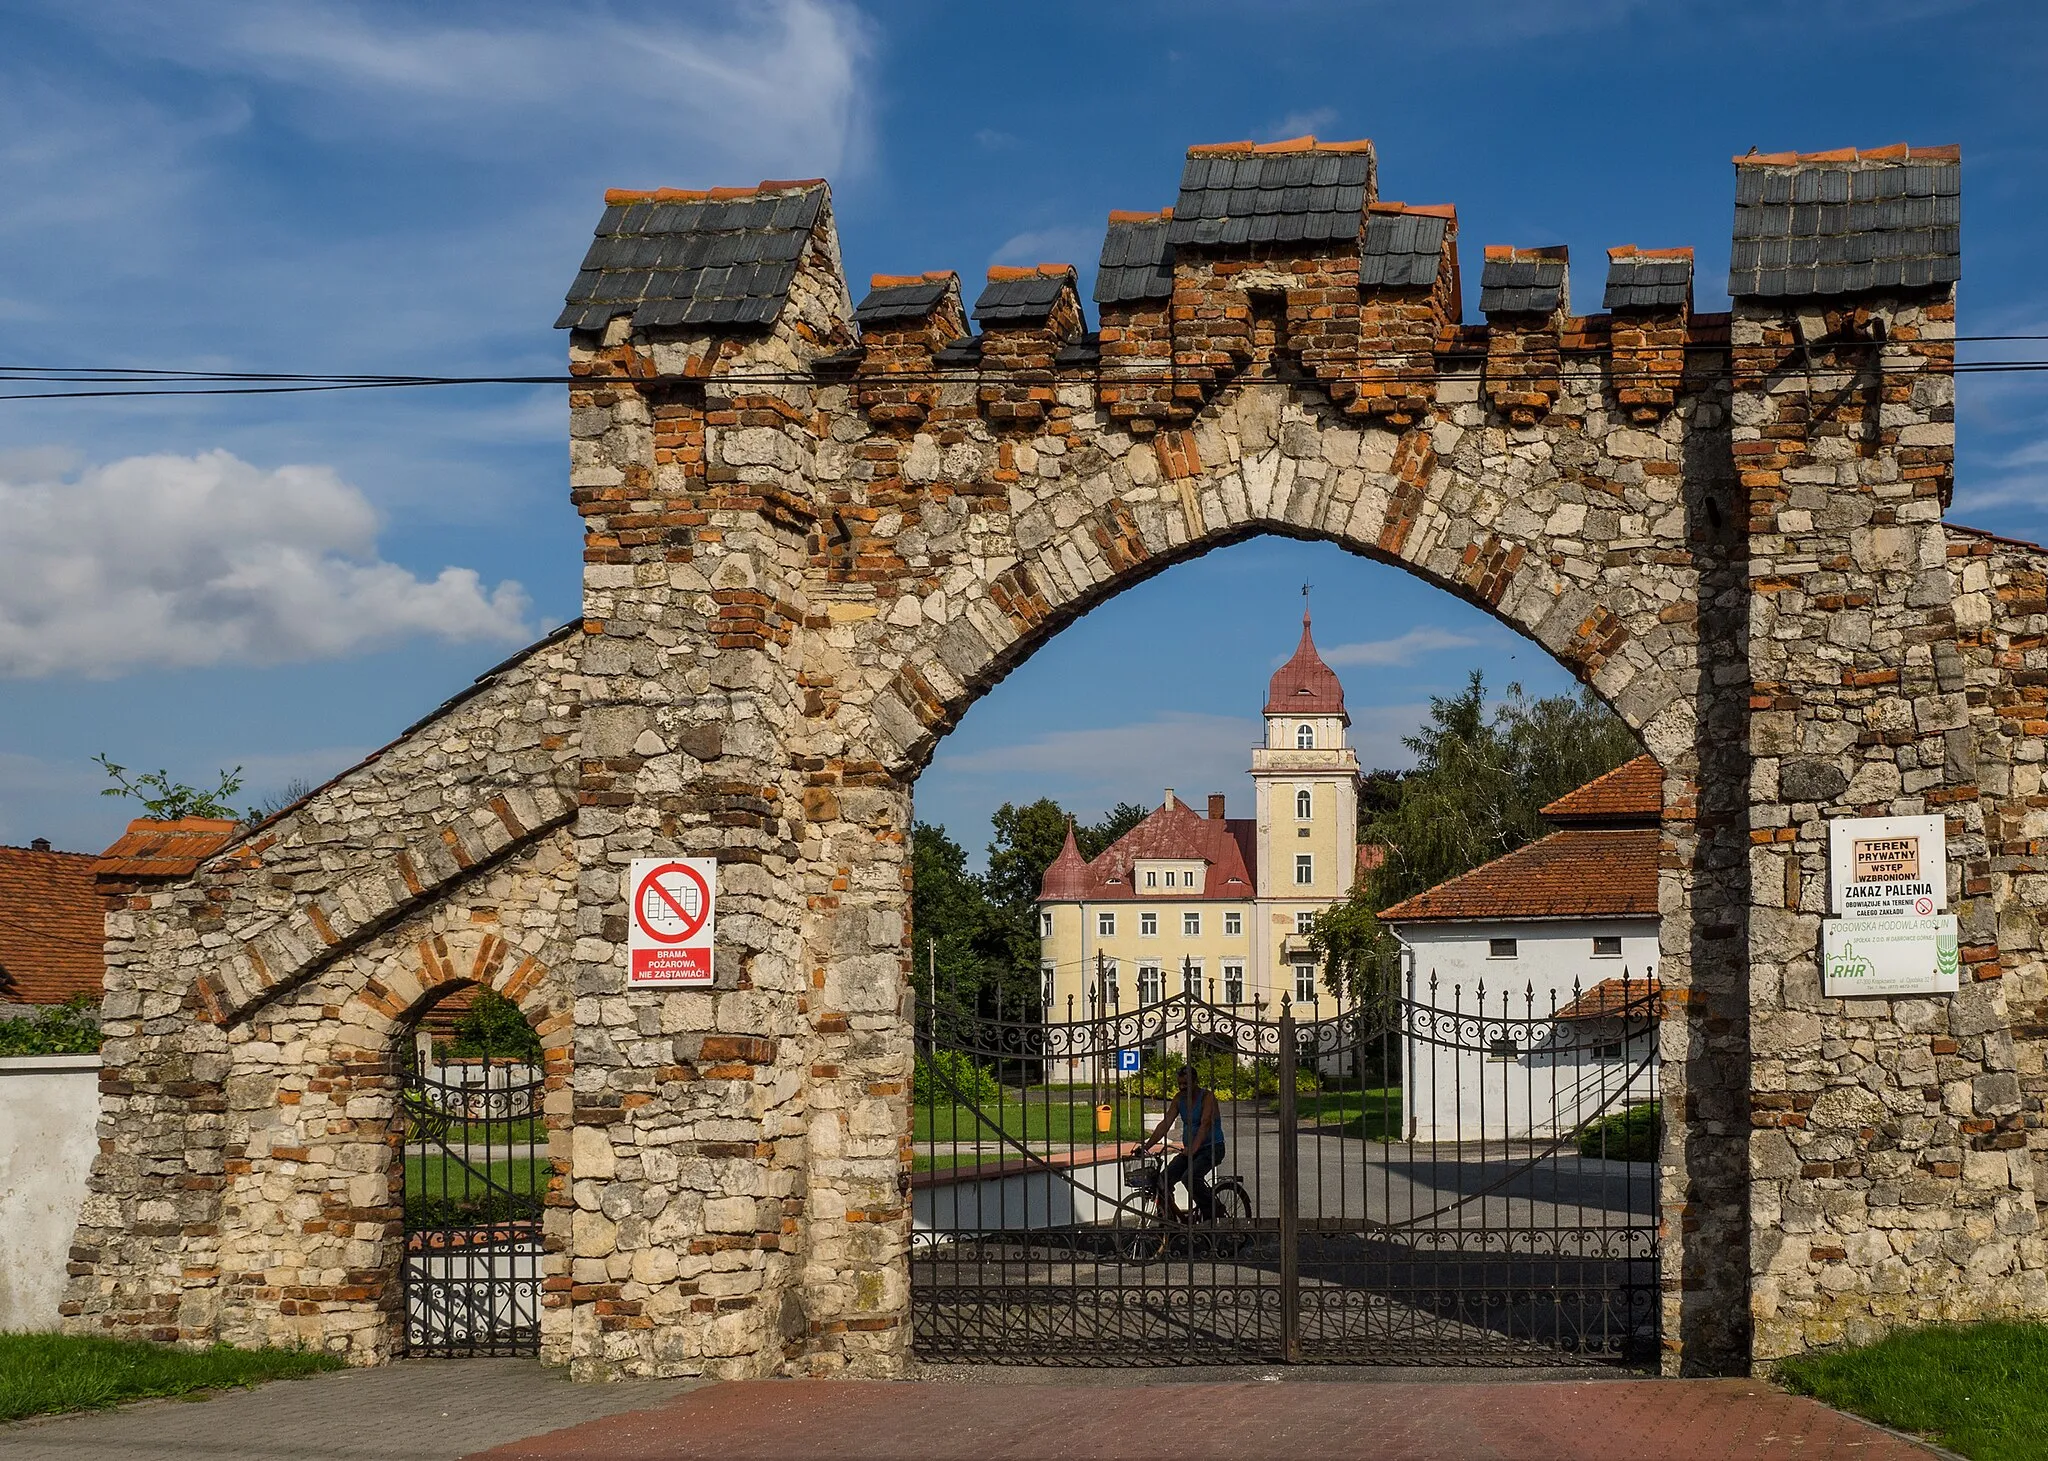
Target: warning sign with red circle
column 668, row 939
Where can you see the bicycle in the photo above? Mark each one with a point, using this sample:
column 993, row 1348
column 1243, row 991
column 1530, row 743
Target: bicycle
column 1145, row 1179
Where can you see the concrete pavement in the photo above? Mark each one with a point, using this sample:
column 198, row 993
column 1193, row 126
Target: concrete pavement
column 414, row 1410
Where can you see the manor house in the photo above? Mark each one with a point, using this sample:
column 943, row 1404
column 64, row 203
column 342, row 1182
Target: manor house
column 1216, row 903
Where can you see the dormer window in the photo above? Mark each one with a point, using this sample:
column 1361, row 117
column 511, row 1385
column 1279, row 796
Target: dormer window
column 1304, row 738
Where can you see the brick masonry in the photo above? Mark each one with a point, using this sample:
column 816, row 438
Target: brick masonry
column 809, row 548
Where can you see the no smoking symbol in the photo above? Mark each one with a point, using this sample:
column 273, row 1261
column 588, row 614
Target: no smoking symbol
column 672, row 903
column 1923, row 906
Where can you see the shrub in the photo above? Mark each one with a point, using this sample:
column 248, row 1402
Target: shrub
column 950, row 1077
column 71, row 1028
column 1634, row 1135
column 494, row 1026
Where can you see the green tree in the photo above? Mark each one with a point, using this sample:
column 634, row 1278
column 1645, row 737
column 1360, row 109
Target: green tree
column 1481, row 777
column 166, row 800
column 1027, row 839
column 493, row 1025
column 949, row 919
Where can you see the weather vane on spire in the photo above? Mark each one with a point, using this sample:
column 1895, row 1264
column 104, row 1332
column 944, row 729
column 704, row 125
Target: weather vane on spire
column 1305, row 587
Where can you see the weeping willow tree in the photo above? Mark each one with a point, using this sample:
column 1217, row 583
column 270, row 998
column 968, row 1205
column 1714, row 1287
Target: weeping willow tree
column 1482, row 775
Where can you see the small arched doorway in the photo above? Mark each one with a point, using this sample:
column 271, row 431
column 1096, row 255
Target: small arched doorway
column 474, row 1175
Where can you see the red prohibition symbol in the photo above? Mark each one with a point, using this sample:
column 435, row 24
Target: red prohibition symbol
column 671, row 903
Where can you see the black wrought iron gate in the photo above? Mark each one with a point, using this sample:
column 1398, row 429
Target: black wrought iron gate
column 1432, row 1176
column 476, row 1177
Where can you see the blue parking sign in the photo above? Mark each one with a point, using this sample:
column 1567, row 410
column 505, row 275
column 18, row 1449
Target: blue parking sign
column 1127, row 1062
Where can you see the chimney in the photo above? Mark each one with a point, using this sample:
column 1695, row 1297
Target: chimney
column 41, row 844
column 1169, row 797
column 1215, row 806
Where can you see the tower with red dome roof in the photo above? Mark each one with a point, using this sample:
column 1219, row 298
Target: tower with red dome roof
column 1305, row 778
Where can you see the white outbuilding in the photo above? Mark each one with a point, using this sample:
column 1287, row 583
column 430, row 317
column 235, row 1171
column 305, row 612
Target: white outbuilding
column 1544, row 963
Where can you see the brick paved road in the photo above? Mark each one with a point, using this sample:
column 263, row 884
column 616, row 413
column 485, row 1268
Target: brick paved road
column 417, row 1410
column 1590, row 1420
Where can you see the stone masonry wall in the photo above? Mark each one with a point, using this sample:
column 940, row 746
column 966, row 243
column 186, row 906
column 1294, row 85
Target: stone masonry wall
column 1890, row 1181
column 805, row 561
column 246, row 1081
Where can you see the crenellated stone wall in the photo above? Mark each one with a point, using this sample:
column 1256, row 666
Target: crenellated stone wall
column 809, row 550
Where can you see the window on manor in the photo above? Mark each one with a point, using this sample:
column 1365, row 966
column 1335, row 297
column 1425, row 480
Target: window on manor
column 1169, row 877
column 1233, row 984
column 1233, row 925
column 1151, row 880
column 1105, row 924
column 1304, row 805
column 1045, row 973
column 1148, row 924
column 1148, row 984
column 1304, row 738
column 1304, row 923
column 1305, row 867
column 1607, row 946
column 1191, row 979
column 1045, row 924
column 1304, row 983
column 1500, row 948
column 1191, row 924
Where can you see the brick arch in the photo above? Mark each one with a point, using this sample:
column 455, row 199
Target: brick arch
column 330, row 1188
column 1453, row 518
column 435, row 966
column 279, row 954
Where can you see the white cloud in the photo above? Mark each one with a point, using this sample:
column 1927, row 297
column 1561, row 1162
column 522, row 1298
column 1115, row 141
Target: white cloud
column 1077, row 246
column 768, row 83
column 1403, row 649
column 1314, row 122
column 1194, row 747
column 171, row 561
column 1191, row 752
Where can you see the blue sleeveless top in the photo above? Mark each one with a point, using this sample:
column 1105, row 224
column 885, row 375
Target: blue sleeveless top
column 1191, row 1122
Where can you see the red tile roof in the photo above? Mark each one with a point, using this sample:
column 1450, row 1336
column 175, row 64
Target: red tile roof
column 1632, row 792
column 1175, row 830
column 1305, row 685
column 1612, row 997
column 1581, row 872
column 151, row 849
column 52, row 927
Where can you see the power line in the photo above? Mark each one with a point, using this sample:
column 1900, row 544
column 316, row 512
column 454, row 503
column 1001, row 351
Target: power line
column 128, row 382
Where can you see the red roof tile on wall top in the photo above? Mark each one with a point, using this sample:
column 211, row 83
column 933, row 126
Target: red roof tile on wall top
column 1632, row 791
column 174, row 849
column 1582, row 872
column 1305, row 685
column 52, row 927
column 1174, row 831
column 1613, row 997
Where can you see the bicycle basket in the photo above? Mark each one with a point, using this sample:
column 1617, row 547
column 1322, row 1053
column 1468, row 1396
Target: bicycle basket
column 1141, row 1175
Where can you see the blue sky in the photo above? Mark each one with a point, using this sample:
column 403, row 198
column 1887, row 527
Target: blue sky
column 285, row 583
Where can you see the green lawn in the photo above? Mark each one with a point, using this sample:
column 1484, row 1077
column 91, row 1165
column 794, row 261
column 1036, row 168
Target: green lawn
column 517, row 1130
column 434, row 1176
column 1979, row 1389
column 1374, row 1113
column 47, row 1374
column 1058, row 1122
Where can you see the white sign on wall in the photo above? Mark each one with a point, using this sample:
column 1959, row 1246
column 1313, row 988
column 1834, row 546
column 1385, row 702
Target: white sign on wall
column 1889, row 955
column 1893, row 867
column 671, row 903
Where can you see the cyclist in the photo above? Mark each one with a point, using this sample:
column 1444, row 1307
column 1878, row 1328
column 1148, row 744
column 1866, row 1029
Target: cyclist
column 1201, row 1130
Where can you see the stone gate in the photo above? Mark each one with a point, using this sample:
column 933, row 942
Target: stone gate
column 816, row 532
